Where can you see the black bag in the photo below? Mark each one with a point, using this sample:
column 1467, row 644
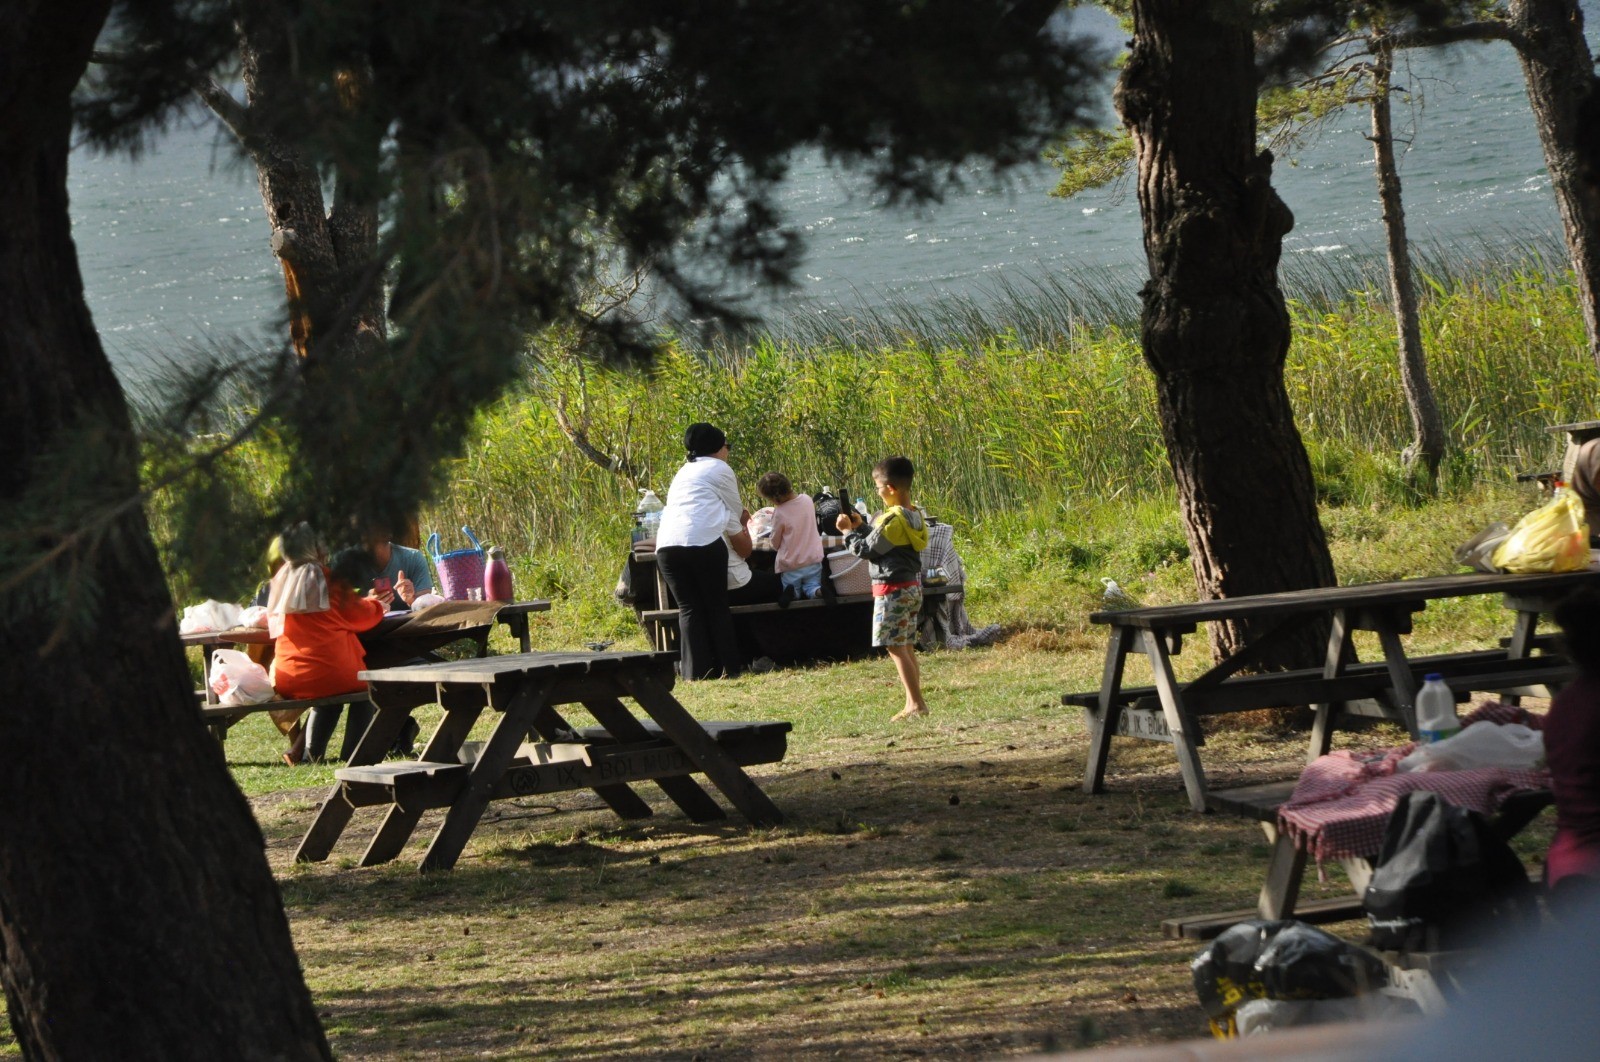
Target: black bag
column 828, row 509
column 1280, row 960
column 1443, row 879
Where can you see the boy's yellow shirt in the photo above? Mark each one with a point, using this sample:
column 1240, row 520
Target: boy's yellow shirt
column 903, row 531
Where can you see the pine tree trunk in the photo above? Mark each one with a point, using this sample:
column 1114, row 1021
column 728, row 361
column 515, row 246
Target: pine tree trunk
column 1422, row 457
column 327, row 256
column 138, row 916
column 1215, row 327
column 1558, row 68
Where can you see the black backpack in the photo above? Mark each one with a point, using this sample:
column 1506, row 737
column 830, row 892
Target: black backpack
column 828, row 509
column 1443, row 878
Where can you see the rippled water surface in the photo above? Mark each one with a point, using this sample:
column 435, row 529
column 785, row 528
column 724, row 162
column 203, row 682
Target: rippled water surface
column 175, row 253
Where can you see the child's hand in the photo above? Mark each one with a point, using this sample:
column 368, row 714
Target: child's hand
column 847, row 521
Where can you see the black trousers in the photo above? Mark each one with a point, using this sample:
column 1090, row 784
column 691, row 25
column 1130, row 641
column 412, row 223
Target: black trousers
column 698, row 579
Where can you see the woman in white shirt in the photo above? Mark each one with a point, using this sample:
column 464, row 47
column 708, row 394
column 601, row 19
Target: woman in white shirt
column 703, row 506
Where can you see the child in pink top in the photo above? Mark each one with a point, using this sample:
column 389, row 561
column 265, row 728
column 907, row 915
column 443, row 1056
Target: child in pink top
column 795, row 537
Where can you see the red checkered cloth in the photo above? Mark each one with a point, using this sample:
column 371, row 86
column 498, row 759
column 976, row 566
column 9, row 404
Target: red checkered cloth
column 1341, row 804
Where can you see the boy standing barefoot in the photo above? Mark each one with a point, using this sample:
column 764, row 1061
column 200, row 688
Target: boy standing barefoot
column 893, row 545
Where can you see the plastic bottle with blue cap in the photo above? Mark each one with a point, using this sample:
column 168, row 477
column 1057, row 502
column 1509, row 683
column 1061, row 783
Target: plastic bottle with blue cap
column 1436, row 710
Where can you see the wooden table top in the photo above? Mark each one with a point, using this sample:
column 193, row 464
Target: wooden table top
column 491, row 669
column 232, row 636
column 1328, row 598
column 259, row 635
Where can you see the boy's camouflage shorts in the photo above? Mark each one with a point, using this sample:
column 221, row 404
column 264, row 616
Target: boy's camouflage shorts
column 895, row 615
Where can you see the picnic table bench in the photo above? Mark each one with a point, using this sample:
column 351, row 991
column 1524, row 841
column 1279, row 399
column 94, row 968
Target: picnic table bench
column 800, row 630
column 1170, row 710
column 527, row 690
column 513, row 615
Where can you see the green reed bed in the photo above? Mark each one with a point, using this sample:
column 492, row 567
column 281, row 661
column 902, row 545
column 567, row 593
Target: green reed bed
column 1034, row 431
column 1002, row 425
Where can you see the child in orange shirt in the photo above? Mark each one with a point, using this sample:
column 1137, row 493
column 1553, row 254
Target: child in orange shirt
column 318, row 650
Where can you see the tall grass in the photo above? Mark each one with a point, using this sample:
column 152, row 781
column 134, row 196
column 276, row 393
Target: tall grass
column 1045, row 405
column 1032, row 419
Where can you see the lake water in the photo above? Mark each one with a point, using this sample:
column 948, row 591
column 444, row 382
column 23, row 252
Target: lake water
column 175, row 256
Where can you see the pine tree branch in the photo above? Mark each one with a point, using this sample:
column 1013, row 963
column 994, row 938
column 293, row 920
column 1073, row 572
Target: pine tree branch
column 1485, row 30
column 233, row 114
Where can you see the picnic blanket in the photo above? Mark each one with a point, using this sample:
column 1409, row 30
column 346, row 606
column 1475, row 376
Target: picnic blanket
column 1342, row 802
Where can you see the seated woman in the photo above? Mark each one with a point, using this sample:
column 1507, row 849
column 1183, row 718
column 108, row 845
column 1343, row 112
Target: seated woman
column 317, row 617
column 748, row 585
column 1572, row 749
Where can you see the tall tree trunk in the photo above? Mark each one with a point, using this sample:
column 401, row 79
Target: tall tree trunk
column 1558, row 68
column 1422, row 457
column 327, row 256
column 138, row 916
column 1215, row 328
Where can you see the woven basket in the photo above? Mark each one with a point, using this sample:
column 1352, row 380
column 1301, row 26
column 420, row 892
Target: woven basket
column 460, row 570
column 849, row 573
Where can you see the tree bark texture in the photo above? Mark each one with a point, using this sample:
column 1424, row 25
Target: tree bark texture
column 1559, row 70
column 138, row 915
column 1215, row 327
column 327, row 255
column 1427, row 426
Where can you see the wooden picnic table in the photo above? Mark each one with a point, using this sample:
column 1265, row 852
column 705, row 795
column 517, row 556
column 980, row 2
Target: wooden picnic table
column 836, row 626
column 391, row 629
column 1524, row 665
column 527, row 690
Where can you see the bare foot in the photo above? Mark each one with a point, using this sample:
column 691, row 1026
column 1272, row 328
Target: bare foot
column 910, row 711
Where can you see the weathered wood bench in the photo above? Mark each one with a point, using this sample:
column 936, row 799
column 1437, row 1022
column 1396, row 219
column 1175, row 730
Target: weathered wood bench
column 808, row 629
column 1428, row 977
column 1286, row 865
column 592, row 760
column 220, row 717
column 527, row 691
column 1359, row 688
column 1345, row 685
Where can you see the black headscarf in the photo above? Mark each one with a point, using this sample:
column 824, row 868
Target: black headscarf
column 702, row 440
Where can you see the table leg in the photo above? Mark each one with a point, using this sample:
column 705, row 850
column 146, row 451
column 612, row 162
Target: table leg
column 1103, row 719
column 677, row 724
column 518, row 626
column 335, row 813
column 1521, row 646
column 682, row 790
column 1405, row 687
column 1340, row 649
column 1178, row 722
column 461, row 710
column 551, row 726
column 463, row 815
column 1285, row 871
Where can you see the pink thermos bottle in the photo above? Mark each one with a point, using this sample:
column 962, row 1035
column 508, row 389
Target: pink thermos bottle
column 496, row 577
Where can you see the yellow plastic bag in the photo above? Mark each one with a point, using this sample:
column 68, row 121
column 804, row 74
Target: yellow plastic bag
column 1552, row 538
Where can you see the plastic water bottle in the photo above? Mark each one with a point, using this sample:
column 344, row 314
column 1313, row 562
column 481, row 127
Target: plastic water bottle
column 497, row 577
column 1436, row 710
column 861, row 507
column 647, row 517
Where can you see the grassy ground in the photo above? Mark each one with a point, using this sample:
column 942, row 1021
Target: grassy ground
column 940, row 889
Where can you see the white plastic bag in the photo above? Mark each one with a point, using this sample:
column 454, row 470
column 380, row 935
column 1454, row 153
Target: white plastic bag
column 1483, row 744
column 760, row 527
column 238, row 680
column 209, row 616
column 254, row 616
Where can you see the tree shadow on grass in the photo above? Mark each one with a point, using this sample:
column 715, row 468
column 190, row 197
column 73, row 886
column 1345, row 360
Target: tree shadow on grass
column 960, row 906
